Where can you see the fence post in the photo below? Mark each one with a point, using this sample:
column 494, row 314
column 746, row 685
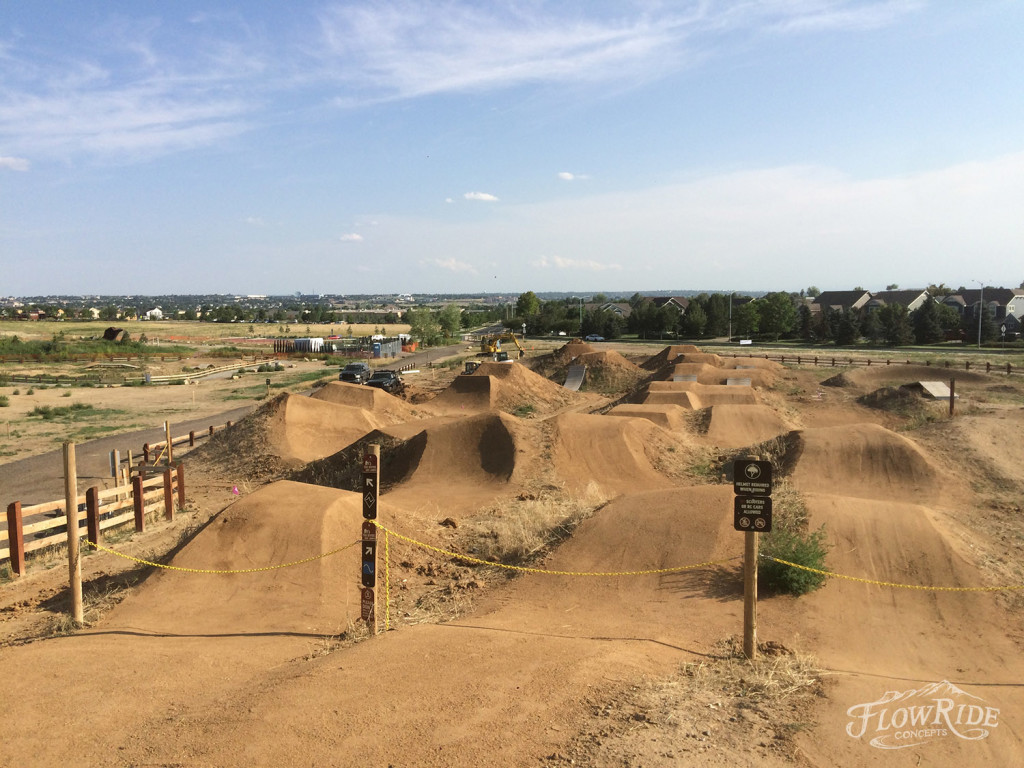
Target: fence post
column 1007, row 369
column 988, row 367
column 168, row 495
column 16, row 537
column 92, row 514
column 191, row 438
column 140, row 518
column 181, row 485
column 968, row 364
column 211, row 430
column 145, row 452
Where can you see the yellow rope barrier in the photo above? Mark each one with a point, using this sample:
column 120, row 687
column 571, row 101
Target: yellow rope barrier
column 524, row 569
column 891, row 583
column 210, row 570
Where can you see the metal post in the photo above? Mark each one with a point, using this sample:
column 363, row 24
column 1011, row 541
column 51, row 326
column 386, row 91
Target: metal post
column 750, row 595
column 71, row 514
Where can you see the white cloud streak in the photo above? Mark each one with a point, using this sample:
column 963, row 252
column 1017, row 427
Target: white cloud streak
column 15, row 163
column 482, row 196
column 351, row 237
column 450, row 264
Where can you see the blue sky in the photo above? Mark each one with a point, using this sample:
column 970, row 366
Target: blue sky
column 363, row 147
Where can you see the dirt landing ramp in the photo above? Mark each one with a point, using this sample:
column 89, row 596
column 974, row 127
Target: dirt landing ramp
column 670, row 417
column 879, row 639
column 281, row 523
column 735, row 426
column 307, row 429
column 373, row 399
column 505, row 386
column 865, row 461
column 617, row 454
column 709, row 374
column 708, row 394
column 668, row 355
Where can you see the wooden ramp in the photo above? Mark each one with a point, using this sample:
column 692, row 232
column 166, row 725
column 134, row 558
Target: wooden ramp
column 938, row 390
column 574, row 377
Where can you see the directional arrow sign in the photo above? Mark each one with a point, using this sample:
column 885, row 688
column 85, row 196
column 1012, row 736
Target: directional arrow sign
column 370, row 497
column 369, row 563
column 751, row 478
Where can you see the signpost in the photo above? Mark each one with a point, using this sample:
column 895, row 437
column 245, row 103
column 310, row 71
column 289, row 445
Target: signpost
column 752, row 514
column 368, row 569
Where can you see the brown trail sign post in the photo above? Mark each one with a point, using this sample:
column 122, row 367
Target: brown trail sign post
column 752, row 514
column 368, row 570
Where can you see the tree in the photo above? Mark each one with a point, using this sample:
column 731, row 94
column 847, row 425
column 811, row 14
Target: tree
column 892, row 287
column 871, row 328
column 849, row 328
column 813, row 291
column 450, row 320
column 423, row 326
column 527, row 304
column 778, row 315
column 804, row 323
column 925, row 320
column 745, row 319
column 896, row 328
column 717, row 309
column 694, row 321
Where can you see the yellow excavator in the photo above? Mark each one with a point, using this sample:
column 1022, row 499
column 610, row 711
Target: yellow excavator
column 492, row 345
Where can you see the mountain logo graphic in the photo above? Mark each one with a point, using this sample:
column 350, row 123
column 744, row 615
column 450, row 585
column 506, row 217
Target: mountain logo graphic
column 910, row 718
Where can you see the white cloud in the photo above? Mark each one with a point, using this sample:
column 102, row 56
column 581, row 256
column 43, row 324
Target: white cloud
column 351, row 237
column 566, row 176
column 255, row 221
column 451, row 264
column 14, row 163
column 559, row 262
column 406, row 48
column 484, row 196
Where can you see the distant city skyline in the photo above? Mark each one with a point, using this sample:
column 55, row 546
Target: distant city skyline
column 389, row 147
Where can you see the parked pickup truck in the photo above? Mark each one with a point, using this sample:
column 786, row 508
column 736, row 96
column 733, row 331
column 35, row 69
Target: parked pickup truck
column 356, row 373
column 389, row 381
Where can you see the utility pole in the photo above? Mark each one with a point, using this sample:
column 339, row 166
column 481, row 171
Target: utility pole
column 981, row 309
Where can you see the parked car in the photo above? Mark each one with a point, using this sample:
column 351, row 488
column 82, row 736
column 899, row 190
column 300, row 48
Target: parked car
column 356, row 373
column 594, row 337
column 389, row 381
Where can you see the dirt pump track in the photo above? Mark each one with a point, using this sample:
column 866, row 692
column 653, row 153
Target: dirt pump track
column 228, row 669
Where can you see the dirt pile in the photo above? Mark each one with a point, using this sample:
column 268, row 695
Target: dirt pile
column 671, row 417
column 384, row 406
column 694, row 395
column 736, row 426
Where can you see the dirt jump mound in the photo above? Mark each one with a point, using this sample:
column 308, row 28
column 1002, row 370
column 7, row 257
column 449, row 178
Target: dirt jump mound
column 670, row 417
column 693, row 394
column 864, row 461
column 502, row 386
column 615, row 453
column 373, row 399
column 709, row 374
column 736, row 426
column 668, row 355
column 281, row 523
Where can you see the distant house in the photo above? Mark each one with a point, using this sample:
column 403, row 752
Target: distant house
column 996, row 299
column 678, row 303
column 618, row 308
column 911, row 299
column 1015, row 307
column 840, row 301
column 154, row 314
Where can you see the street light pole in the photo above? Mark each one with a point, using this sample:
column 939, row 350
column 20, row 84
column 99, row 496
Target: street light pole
column 981, row 309
column 730, row 316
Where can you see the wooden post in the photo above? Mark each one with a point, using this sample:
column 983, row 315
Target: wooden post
column 115, row 463
column 952, row 396
column 145, row 452
column 181, row 485
column 191, row 438
column 168, row 495
column 16, row 538
column 71, row 514
column 92, row 514
column 167, row 432
column 138, row 502
column 750, row 595
column 211, row 430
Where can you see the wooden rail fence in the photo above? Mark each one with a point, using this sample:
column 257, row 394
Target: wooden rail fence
column 153, row 452
column 834, row 360
column 104, row 509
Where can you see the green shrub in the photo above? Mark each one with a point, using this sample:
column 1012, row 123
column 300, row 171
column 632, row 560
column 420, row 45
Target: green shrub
column 792, row 541
column 66, row 394
column 16, row 392
column 4, row 401
column 31, row 391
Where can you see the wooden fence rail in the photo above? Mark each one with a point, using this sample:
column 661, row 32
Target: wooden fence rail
column 836, row 360
column 155, row 451
column 104, row 509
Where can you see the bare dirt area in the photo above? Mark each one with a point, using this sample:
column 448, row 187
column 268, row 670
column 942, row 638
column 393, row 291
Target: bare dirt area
column 559, row 583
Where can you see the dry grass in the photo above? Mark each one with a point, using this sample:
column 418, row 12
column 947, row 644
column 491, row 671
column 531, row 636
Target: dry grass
column 516, row 530
column 775, row 674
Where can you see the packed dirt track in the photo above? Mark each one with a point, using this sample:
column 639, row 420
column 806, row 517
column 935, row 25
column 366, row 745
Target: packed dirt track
column 594, row 618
